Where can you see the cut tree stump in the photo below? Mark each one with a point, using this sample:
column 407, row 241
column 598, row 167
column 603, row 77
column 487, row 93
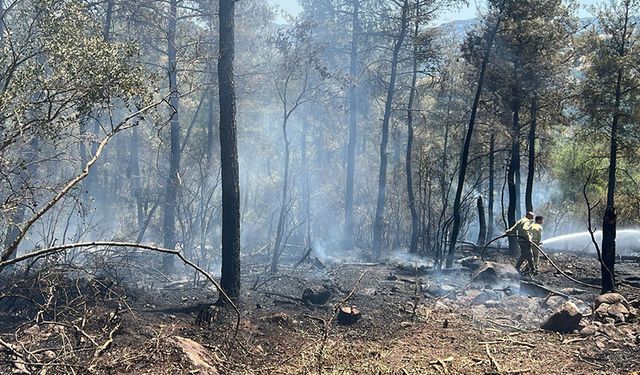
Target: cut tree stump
column 348, row 315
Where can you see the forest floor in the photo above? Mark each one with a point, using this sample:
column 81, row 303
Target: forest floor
column 414, row 321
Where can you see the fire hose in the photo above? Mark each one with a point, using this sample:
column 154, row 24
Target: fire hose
column 541, row 252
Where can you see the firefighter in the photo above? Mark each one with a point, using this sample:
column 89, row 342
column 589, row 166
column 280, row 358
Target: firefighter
column 521, row 229
column 535, row 230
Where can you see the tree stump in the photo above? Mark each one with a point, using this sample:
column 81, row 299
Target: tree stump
column 348, row 315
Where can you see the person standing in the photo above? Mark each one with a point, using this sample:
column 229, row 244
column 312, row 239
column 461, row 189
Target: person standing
column 535, row 230
column 521, row 229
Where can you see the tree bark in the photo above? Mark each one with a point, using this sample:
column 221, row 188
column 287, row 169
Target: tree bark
column 172, row 183
column 490, row 213
column 136, row 186
column 353, row 128
column 306, row 186
column 378, row 226
column 415, row 222
column 230, row 280
column 609, row 219
column 285, row 196
column 1, row 22
column 482, row 232
column 532, row 154
column 464, row 157
column 513, row 174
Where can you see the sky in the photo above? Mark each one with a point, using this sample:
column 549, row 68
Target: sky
column 465, row 12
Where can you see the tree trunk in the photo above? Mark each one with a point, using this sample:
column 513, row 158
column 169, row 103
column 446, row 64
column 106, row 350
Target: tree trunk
column 306, row 187
column 283, row 205
column 171, row 190
column 415, row 222
column 378, row 226
column 492, row 150
column 513, row 210
column 134, row 165
column 464, row 157
column 532, row 154
column 210, row 121
column 353, row 128
column 1, row 23
column 482, row 232
column 230, row 280
column 609, row 219
column 106, row 33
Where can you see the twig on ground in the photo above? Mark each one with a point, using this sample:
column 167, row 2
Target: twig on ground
column 107, row 343
column 492, row 360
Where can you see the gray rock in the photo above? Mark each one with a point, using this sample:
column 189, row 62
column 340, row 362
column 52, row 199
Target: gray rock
column 610, row 298
column 493, row 272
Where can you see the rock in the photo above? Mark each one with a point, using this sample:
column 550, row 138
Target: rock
column 618, row 308
column 486, row 295
column 198, row 355
column 572, row 291
column 472, row 262
column 619, row 312
column 554, row 302
column 349, row 315
column 369, row 292
column 610, row 298
column 493, row 272
column 602, row 310
column 564, row 320
column 588, row 331
column 492, row 303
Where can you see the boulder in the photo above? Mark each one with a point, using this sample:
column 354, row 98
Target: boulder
column 588, row 331
column 493, row 272
column 564, row 320
column 609, row 298
column 201, row 359
column 554, row 302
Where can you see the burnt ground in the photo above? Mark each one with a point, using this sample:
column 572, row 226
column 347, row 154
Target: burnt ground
column 424, row 322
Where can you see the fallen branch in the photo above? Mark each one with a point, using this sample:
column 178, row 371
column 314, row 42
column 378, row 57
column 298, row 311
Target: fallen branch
column 11, row 249
column 492, row 361
column 107, row 343
column 58, row 249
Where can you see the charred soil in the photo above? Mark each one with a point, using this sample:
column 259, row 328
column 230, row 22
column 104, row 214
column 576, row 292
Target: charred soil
column 411, row 320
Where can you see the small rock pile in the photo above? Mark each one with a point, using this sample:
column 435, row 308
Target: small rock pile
column 613, row 306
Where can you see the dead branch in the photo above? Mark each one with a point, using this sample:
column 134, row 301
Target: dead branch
column 70, row 184
column 355, row 287
column 57, row 249
column 107, row 343
column 492, row 360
